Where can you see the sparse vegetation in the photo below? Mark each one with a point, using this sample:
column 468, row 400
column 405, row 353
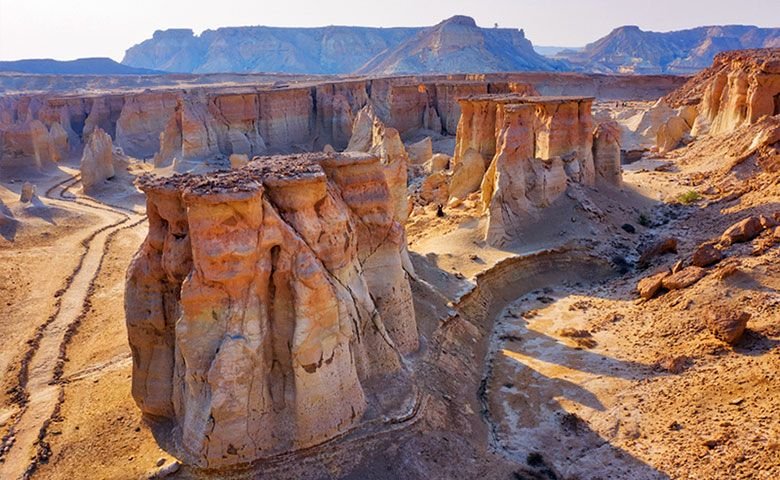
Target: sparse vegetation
column 689, row 197
column 643, row 220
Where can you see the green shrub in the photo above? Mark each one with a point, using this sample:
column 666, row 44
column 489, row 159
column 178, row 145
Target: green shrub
column 689, row 197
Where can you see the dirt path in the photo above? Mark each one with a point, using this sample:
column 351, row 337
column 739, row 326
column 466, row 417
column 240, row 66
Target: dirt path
column 39, row 390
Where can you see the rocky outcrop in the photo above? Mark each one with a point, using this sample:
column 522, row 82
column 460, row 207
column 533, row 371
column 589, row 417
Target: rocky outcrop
column 259, row 118
column 745, row 88
column 539, row 145
column 737, row 90
column 33, row 144
column 268, row 309
column 420, row 152
column 606, row 153
column 97, row 161
column 370, row 135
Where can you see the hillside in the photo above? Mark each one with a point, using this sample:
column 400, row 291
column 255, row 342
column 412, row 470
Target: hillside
column 455, row 45
column 629, row 49
column 81, row 66
column 459, row 45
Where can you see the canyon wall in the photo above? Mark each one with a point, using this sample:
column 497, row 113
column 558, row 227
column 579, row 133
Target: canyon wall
column 202, row 122
column 740, row 88
column 268, row 308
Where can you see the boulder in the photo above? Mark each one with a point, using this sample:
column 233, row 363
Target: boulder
column 435, row 188
column 28, row 192
column 706, row 254
column 649, row 286
column 97, row 161
column 467, row 175
column 742, row 231
column 439, row 162
column 671, row 133
column 726, row 323
column 683, row 278
column 420, row 152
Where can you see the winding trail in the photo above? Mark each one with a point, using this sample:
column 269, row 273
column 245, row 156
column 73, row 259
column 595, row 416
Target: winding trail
column 40, row 387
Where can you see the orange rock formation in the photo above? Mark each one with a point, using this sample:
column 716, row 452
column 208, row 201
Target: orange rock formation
column 268, row 304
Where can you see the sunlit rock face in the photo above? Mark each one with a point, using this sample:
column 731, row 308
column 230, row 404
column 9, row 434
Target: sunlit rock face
column 97, row 161
column 740, row 88
column 533, row 146
column 268, row 309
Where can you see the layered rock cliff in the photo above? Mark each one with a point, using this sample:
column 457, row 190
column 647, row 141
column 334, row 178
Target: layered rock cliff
column 530, row 149
column 204, row 123
column 268, row 305
column 456, row 44
column 740, row 88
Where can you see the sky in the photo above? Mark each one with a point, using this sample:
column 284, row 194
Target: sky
column 68, row 29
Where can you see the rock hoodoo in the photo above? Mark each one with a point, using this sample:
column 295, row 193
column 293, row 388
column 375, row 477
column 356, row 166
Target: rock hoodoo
column 532, row 148
column 97, row 161
column 268, row 309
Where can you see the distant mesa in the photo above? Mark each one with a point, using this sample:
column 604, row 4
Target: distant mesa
column 629, row 49
column 456, row 44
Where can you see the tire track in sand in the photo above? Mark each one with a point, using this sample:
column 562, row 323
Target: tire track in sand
column 40, row 389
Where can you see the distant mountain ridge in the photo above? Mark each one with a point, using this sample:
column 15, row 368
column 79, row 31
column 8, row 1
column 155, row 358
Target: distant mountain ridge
column 454, row 45
column 81, row 66
column 629, row 49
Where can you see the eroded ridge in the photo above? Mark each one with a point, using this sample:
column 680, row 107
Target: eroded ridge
column 268, row 309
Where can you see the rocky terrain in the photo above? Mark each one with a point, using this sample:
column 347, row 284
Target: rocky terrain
column 629, row 49
column 541, row 276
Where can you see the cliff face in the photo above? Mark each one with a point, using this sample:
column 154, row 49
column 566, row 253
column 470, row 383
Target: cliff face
column 522, row 152
column 207, row 122
column 251, row 306
column 628, row 49
column 739, row 89
column 454, row 45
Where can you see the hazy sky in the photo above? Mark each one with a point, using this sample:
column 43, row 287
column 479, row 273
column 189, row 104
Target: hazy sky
column 67, row 29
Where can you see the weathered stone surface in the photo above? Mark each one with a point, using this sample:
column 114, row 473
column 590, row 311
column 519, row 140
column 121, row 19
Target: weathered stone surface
column 726, row 323
column 439, row 162
column 706, row 254
column 267, row 304
column 97, row 162
column 649, row 286
column 420, row 152
column 671, row 133
column 606, row 153
column 742, row 231
column 541, row 144
column 738, row 89
column 435, row 188
column 467, row 175
column 683, row 278
column 28, row 192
